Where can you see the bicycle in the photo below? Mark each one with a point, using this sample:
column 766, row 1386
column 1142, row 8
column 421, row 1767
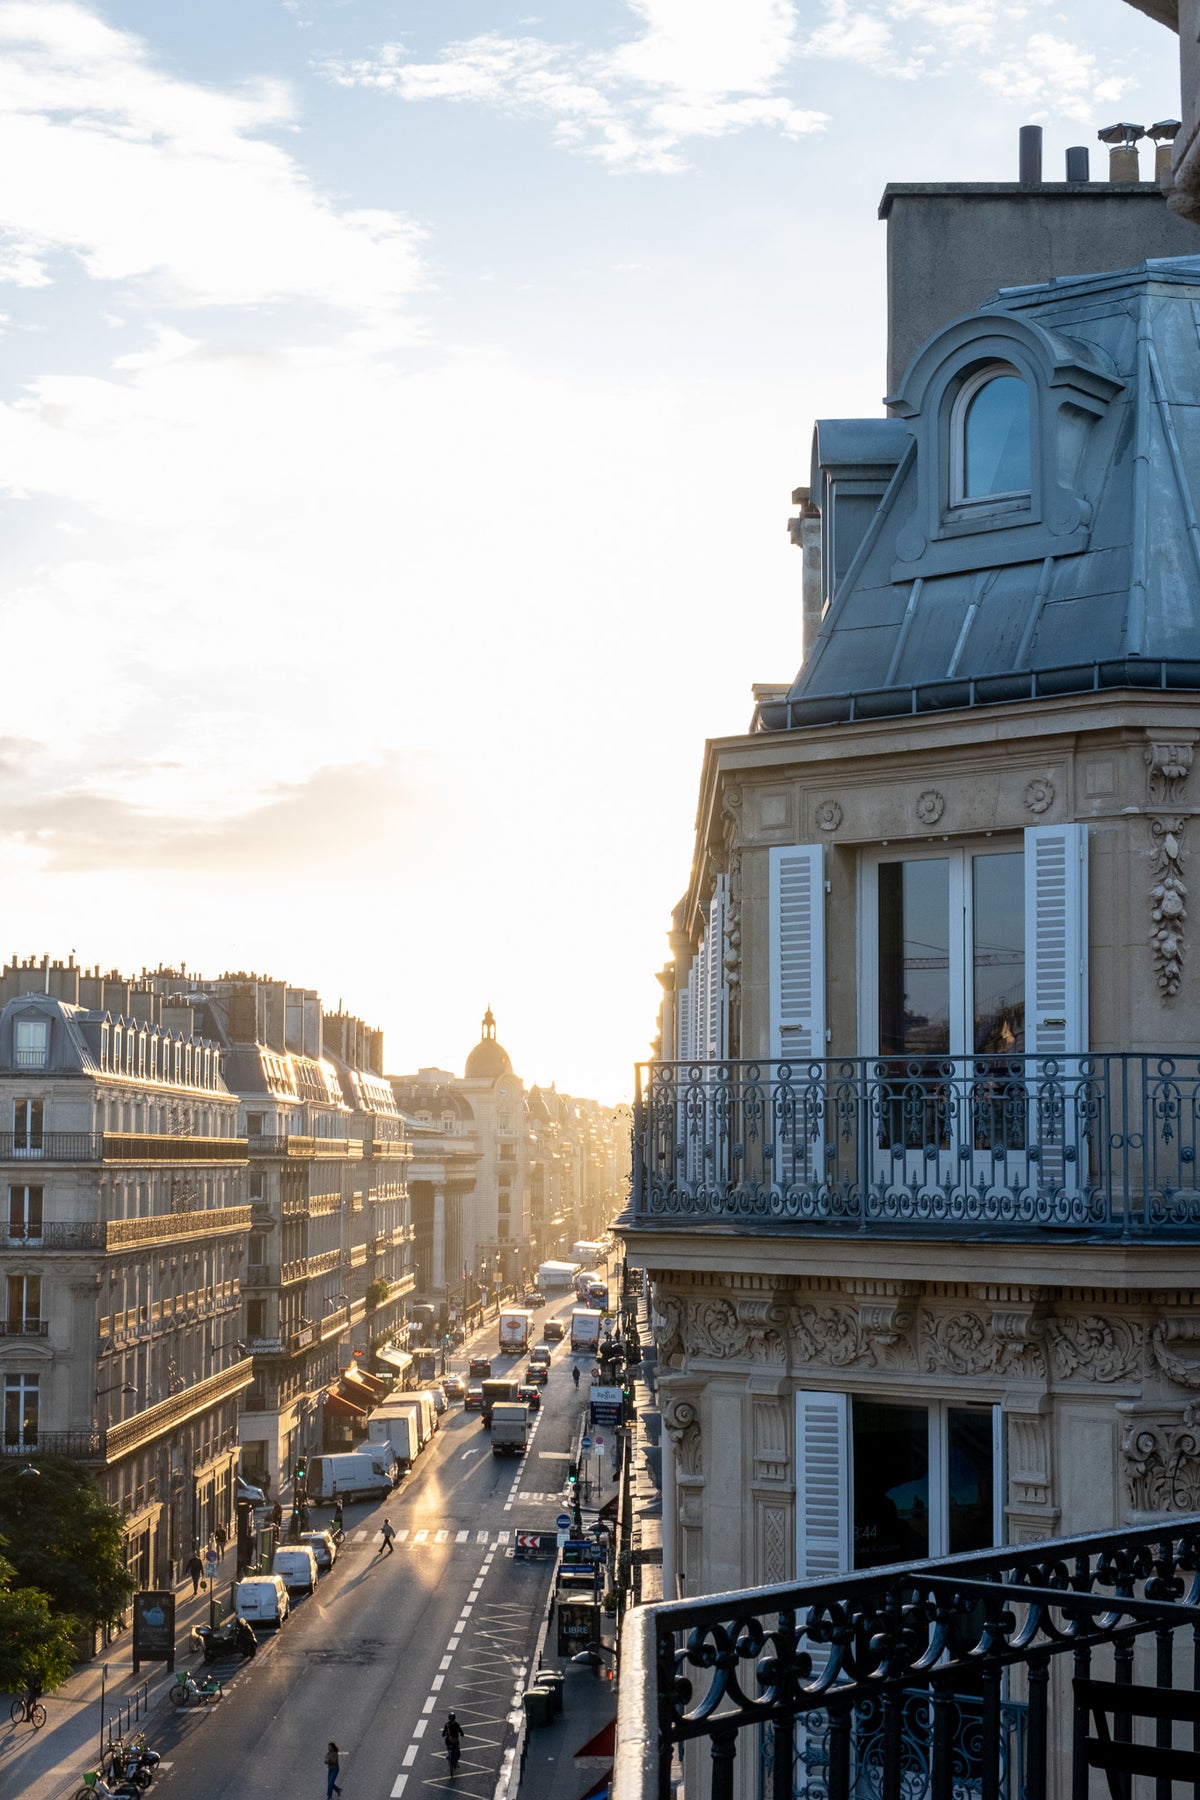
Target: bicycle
column 24, row 1712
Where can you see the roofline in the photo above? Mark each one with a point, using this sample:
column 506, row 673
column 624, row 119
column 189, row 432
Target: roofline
column 1008, row 190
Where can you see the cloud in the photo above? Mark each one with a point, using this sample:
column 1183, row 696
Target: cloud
column 1051, row 74
column 81, row 830
column 692, row 72
column 141, row 177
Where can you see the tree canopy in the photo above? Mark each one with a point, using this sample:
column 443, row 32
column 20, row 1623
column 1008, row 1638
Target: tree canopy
column 63, row 1539
column 36, row 1646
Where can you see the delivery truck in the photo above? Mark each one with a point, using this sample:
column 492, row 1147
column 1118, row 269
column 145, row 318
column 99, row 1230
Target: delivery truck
column 585, row 1330
column 398, row 1429
column 516, row 1330
column 510, row 1428
column 556, row 1275
column 495, row 1391
column 421, row 1408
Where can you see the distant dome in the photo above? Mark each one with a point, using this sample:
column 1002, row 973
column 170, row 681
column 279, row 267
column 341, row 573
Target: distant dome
column 488, row 1060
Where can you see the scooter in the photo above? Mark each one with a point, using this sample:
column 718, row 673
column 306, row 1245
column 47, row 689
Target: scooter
column 233, row 1638
column 186, row 1692
column 133, row 1762
column 94, row 1784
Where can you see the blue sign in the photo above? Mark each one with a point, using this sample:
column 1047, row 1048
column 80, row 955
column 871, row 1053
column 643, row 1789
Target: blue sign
column 563, row 1522
column 585, row 1443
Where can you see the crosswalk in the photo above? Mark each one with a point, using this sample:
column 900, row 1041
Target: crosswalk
column 428, row 1538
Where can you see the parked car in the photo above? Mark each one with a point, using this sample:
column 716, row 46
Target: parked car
column 262, row 1599
column 479, row 1368
column 473, row 1402
column 322, row 1546
column 530, row 1394
column 538, row 1371
column 436, row 1396
column 453, row 1386
column 555, row 1330
column 534, row 1297
column 298, row 1567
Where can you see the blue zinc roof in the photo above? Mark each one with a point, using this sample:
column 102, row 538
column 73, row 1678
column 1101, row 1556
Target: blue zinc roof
column 1091, row 578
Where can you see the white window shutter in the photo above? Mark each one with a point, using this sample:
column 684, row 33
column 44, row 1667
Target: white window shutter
column 823, row 1523
column 1056, row 938
column 797, row 951
column 683, row 1023
column 716, row 1006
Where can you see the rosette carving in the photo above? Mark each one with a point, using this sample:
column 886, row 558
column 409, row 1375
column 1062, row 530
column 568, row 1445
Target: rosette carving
column 830, row 1335
column 715, row 1330
column 968, row 1344
column 930, row 806
column 1101, row 1349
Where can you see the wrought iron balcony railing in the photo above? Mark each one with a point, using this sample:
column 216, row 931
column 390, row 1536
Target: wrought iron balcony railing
column 1101, row 1144
column 117, row 1147
column 900, row 1681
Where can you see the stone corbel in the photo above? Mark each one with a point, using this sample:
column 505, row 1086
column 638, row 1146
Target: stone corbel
column 681, row 1421
column 1160, row 1455
column 1167, row 769
column 766, row 1322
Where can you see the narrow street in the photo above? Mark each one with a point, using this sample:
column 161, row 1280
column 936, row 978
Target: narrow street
column 389, row 1644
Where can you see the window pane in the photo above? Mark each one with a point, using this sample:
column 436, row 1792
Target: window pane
column 914, row 958
column 971, row 1500
column 996, row 439
column 998, row 891
column 891, row 1483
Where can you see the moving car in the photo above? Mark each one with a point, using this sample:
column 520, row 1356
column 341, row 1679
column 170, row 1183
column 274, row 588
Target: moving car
column 555, row 1330
column 534, row 1297
column 538, row 1371
column 473, row 1401
column 453, row 1386
column 479, row 1368
column 540, row 1353
column 529, row 1395
column 322, row 1546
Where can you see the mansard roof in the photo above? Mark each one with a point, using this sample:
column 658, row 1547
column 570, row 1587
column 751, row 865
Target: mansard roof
column 1094, row 581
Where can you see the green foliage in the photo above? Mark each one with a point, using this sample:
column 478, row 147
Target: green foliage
column 63, row 1539
column 377, row 1293
column 35, row 1646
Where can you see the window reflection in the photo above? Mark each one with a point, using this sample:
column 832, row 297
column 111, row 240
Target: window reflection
column 996, row 439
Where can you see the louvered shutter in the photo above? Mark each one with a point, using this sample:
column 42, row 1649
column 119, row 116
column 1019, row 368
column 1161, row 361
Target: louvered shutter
column 797, row 952
column 823, row 1525
column 683, row 1023
column 716, row 1005
column 1056, row 1021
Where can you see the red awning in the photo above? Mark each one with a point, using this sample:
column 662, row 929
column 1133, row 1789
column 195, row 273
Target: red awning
column 345, row 1409
column 375, row 1388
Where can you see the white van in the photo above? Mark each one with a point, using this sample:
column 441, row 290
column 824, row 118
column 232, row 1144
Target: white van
column 298, row 1566
column 351, row 1476
column 421, row 1408
column 436, row 1398
column 262, row 1600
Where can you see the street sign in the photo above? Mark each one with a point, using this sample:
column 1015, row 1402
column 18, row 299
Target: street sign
column 210, row 1564
column 585, row 1444
column 534, row 1543
column 563, row 1521
column 598, row 1441
column 578, row 1626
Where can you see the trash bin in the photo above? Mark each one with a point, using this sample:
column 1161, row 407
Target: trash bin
column 537, row 1706
column 552, row 1681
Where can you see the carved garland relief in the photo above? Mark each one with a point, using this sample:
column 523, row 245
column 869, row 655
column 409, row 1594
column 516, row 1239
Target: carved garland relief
column 1168, row 767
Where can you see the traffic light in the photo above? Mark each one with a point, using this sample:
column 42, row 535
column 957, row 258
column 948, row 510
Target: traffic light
column 572, row 1474
column 301, row 1473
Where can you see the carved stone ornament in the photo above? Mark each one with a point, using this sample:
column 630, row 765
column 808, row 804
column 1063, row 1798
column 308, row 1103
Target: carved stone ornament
column 1182, row 1370
column 930, row 806
column 830, row 1335
column 682, row 1422
column 1168, row 902
column 714, row 1330
column 766, row 1321
column 1167, row 769
column 770, row 1441
column 828, row 815
column 968, row 1344
column 731, row 950
column 1099, row 1349
column 1162, row 1464
column 667, row 1328
column 1039, row 794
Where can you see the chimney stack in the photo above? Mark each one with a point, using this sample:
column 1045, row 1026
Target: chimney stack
column 1078, row 163
column 1122, row 141
column 1030, row 156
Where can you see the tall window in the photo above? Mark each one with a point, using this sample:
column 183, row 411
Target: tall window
column 27, row 1127
column 24, row 1303
column 924, row 1481
column 20, row 1412
column 24, row 1213
column 990, row 437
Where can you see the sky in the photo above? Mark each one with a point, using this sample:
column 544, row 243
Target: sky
column 400, row 402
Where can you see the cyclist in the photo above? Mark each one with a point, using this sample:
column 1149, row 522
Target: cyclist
column 452, row 1736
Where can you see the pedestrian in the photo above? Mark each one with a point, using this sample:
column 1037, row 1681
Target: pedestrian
column 387, row 1534
column 331, row 1764
column 195, row 1569
column 575, row 1374
column 221, row 1538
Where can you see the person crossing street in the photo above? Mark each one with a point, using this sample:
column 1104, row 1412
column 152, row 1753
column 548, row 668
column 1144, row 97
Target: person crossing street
column 387, row 1534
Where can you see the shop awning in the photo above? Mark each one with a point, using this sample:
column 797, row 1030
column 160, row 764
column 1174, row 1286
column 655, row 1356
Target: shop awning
column 371, row 1384
column 398, row 1360
column 344, row 1409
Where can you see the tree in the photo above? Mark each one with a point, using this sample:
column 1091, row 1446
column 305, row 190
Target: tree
column 64, row 1540
column 36, row 1648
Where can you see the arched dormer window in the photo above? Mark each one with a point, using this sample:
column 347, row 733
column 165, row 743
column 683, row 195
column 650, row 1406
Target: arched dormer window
column 990, row 437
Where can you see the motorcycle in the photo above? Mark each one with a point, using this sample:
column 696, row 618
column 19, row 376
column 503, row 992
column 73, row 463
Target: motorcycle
column 186, row 1691
column 233, row 1638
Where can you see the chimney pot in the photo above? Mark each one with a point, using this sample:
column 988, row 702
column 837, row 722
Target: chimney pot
column 1078, row 163
column 1030, row 156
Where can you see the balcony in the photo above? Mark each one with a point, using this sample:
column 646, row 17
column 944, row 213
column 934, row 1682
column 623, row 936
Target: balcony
column 899, row 1681
column 24, row 1328
column 287, row 1144
column 168, row 1415
column 117, row 1147
column 1102, row 1146
column 101, row 1235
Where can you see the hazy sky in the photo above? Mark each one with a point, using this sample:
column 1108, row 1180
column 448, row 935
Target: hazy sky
column 400, row 405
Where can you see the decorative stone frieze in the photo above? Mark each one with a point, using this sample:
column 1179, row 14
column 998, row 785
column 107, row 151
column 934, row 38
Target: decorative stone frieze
column 1101, row 1349
column 714, row 1330
column 829, row 1334
column 667, row 1327
column 1161, row 1463
column 966, row 1343
column 1168, row 902
column 1183, row 1370
column 930, row 807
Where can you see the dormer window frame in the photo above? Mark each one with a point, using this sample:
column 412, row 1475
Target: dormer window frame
column 961, row 503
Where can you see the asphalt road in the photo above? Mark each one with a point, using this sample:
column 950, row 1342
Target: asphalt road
column 388, row 1644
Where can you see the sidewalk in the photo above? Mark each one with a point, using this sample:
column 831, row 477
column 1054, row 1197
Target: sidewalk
column 42, row 1765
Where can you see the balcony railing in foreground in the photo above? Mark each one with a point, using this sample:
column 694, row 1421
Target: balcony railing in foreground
column 1096, row 1143
column 1073, row 1655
